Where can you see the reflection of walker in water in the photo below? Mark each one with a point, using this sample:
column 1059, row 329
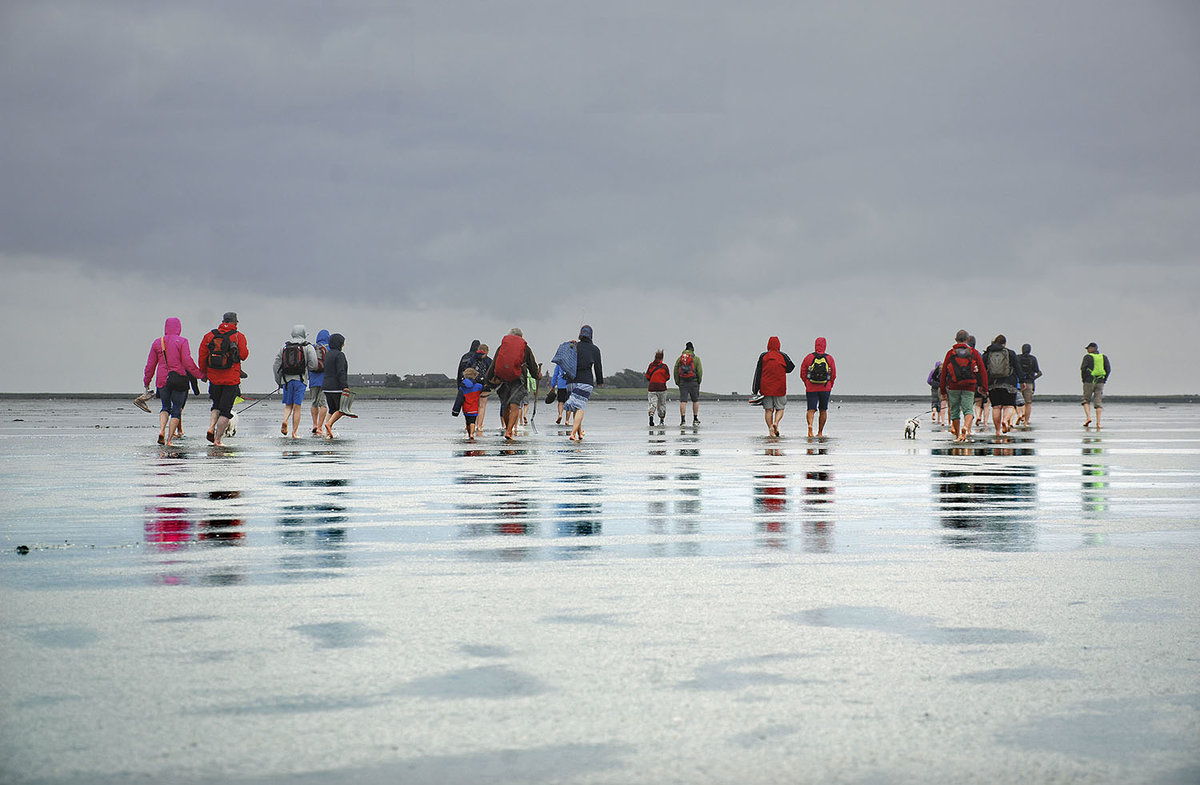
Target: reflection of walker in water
column 771, row 502
column 1094, row 472
column 990, row 507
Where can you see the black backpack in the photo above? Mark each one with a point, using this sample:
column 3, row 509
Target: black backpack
column 818, row 370
column 222, row 351
column 294, row 361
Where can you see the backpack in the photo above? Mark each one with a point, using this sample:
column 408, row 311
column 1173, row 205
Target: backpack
column 818, row 370
column 567, row 358
column 222, row 351
column 321, row 349
column 999, row 366
column 294, row 361
column 687, row 368
column 509, row 358
column 962, row 366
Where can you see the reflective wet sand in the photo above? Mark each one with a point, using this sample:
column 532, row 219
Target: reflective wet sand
column 654, row 605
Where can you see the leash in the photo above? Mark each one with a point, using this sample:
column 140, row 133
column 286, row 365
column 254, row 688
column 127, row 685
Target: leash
column 260, row 400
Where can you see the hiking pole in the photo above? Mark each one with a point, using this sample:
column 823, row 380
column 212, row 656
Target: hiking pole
column 533, row 416
column 260, row 400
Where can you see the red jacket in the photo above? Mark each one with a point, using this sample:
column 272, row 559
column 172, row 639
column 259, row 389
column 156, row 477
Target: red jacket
column 658, row 374
column 980, row 382
column 770, row 377
column 224, row 375
column 819, row 348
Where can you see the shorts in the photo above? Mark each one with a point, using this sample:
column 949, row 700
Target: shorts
column 318, row 397
column 173, row 401
column 293, row 392
column 333, row 402
column 470, row 418
column 961, row 402
column 689, row 391
column 1093, row 393
column 580, row 395
column 512, row 393
column 562, row 393
column 223, row 396
column 774, row 401
column 817, row 399
column 999, row 396
column 935, row 398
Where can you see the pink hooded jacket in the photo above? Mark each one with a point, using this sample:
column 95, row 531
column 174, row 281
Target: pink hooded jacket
column 169, row 353
column 819, row 348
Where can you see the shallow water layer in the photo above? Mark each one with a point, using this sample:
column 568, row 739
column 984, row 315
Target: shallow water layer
column 88, row 488
column 652, row 605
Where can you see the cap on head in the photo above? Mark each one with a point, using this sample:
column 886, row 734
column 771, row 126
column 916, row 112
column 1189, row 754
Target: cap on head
column 688, row 346
column 586, row 331
column 230, row 317
column 1092, row 347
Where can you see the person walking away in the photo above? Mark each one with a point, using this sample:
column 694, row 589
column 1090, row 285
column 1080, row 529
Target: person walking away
column 1094, row 372
column 657, row 376
column 506, row 375
column 689, row 373
column 588, row 375
column 170, row 364
column 222, row 353
column 531, row 391
column 1030, row 371
column 316, row 382
column 483, row 371
column 470, row 388
column 337, row 381
column 291, row 368
column 464, row 362
column 981, row 398
column 1004, row 381
column 963, row 374
column 819, row 373
column 558, row 380
column 937, row 409
column 770, row 378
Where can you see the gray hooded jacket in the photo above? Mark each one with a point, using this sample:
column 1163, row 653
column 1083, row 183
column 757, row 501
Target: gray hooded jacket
column 300, row 336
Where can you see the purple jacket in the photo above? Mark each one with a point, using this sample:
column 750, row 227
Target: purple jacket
column 169, row 353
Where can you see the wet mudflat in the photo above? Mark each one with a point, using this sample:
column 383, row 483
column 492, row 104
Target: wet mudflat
column 653, row 605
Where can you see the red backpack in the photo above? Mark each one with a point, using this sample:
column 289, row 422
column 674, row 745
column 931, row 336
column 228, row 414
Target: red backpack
column 510, row 357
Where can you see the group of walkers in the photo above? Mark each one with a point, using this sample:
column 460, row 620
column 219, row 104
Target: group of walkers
column 965, row 382
column 298, row 367
column 513, row 376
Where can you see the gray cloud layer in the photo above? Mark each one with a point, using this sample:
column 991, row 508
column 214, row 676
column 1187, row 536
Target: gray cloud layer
column 503, row 154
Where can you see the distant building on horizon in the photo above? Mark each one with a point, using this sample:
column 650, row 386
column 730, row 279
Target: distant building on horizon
column 367, row 379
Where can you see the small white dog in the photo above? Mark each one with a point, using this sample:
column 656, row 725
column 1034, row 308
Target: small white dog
column 231, row 429
column 910, row 428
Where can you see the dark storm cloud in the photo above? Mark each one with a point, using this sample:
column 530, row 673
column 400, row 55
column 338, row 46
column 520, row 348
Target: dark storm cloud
column 405, row 149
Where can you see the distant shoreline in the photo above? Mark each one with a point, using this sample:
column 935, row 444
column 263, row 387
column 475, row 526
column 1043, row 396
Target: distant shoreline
column 613, row 394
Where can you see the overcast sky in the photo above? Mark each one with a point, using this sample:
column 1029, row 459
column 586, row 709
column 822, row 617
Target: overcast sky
column 415, row 175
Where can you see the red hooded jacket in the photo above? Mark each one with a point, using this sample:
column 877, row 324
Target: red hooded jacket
column 227, row 376
column 818, row 349
column 770, row 376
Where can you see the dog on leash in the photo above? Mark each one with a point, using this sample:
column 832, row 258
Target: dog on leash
column 910, row 428
column 231, row 429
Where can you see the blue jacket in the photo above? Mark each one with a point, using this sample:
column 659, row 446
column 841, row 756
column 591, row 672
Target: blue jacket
column 559, row 379
column 317, row 379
